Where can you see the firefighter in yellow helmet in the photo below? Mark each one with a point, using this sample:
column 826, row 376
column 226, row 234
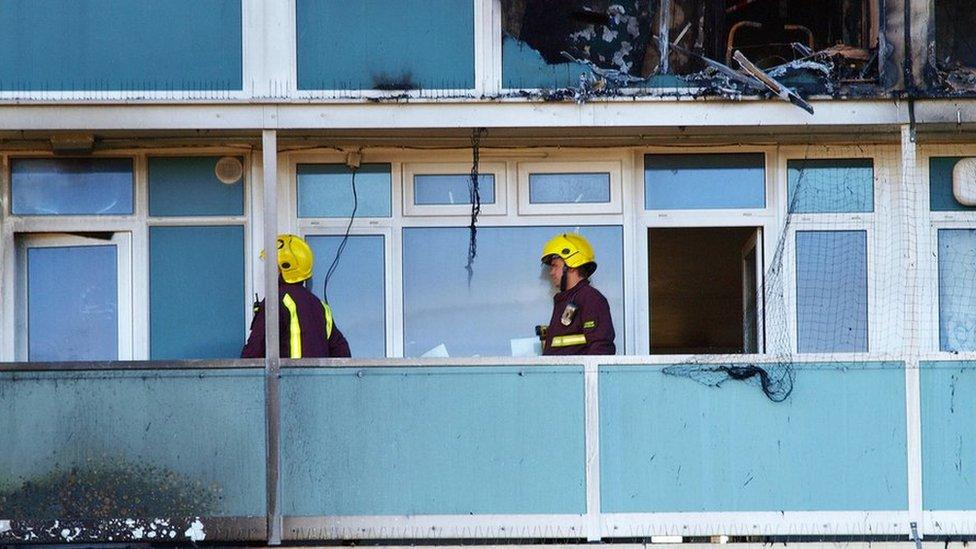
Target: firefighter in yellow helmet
column 306, row 326
column 581, row 323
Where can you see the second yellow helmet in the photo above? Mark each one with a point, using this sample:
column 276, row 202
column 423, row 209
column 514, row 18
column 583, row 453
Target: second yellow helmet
column 572, row 248
column 295, row 258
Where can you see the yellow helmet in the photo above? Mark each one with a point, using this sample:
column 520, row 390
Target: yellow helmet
column 573, row 249
column 295, row 258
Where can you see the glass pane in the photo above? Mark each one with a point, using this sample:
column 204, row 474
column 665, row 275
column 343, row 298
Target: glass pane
column 196, row 292
column 832, row 291
column 442, row 189
column 941, row 198
column 189, row 186
column 357, row 289
column 508, row 295
column 836, row 185
column 133, row 445
column 325, row 190
column 704, row 181
column 120, row 45
column 569, row 188
column 71, row 186
column 957, row 290
column 72, row 303
column 377, row 44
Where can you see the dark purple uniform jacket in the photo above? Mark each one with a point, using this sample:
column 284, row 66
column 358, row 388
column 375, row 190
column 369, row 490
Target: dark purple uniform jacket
column 311, row 319
column 592, row 319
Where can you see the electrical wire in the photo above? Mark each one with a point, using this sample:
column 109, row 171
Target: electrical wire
column 345, row 239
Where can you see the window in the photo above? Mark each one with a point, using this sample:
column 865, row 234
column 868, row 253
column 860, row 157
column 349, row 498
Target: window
column 569, row 187
column 957, row 289
column 834, row 185
column 71, row 186
column 704, row 181
column 445, row 189
column 941, row 198
column 326, row 190
column 189, row 186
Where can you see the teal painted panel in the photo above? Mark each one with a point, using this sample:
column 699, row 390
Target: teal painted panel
column 378, row 44
column 415, row 441
column 671, row 444
column 524, row 68
column 326, row 190
column 177, row 443
column 948, row 435
column 188, row 186
column 831, row 185
column 77, row 45
column 196, row 292
column 941, row 198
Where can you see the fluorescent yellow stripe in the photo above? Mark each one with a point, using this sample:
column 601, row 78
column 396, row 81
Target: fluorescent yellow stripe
column 569, row 340
column 294, row 328
column 328, row 320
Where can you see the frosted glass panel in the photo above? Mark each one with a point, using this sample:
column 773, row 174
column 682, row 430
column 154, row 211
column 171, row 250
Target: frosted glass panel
column 444, row 189
column 569, row 188
column 325, row 190
column 509, row 293
column 72, row 296
column 832, row 291
column 704, row 181
column 836, row 185
column 957, row 290
column 71, row 186
column 357, row 290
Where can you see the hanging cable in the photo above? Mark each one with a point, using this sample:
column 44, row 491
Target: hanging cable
column 352, row 162
column 475, row 192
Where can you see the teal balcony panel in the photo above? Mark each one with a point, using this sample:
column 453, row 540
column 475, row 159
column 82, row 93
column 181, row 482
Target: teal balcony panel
column 671, row 444
column 132, row 444
column 948, row 392
column 449, row 440
column 120, row 45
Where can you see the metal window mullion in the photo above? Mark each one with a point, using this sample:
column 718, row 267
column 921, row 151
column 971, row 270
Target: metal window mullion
column 272, row 389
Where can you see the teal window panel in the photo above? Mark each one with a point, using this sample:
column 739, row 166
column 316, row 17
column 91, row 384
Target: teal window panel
column 704, row 181
column 671, row 444
column 941, row 198
column 957, row 290
column 508, row 293
column 188, row 186
column 948, row 398
column 71, row 186
column 196, row 292
column 325, row 190
column 120, row 45
column 569, row 188
column 357, row 289
column 72, row 303
column 524, row 68
column 452, row 441
column 445, row 189
column 175, row 443
column 834, row 185
column 831, row 291
column 376, row 44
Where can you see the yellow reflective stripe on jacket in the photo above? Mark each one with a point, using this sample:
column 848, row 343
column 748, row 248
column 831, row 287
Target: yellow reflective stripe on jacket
column 294, row 327
column 569, row 340
column 328, row 320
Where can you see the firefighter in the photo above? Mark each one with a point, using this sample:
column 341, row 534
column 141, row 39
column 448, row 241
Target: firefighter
column 581, row 323
column 306, row 326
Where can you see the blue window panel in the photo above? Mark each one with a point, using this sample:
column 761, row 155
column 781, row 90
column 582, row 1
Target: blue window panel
column 957, row 290
column 835, row 185
column 325, row 190
column 175, row 442
column 704, row 181
column 444, row 189
column 453, row 441
column 569, row 188
column 948, row 398
column 508, row 295
column 377, row 44
column 672, row 444
column 71, row 186
column 357, row 289
column 120, row 45
column 524, row 68
column 73, row 303
column 188, row 186
column 831, row 291
column 196, row 292
column 941, row 198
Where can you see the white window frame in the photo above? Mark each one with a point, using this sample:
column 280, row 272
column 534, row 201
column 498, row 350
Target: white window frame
column 412, row 169
column 613, row 168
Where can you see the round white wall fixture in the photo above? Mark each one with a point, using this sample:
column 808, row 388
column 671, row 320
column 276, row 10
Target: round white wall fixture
column 229, row 170
column 964, row 182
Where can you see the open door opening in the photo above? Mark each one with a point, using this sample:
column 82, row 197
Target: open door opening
column 706, row 290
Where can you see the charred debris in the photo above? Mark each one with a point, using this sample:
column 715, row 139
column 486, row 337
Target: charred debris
column 729, row 48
